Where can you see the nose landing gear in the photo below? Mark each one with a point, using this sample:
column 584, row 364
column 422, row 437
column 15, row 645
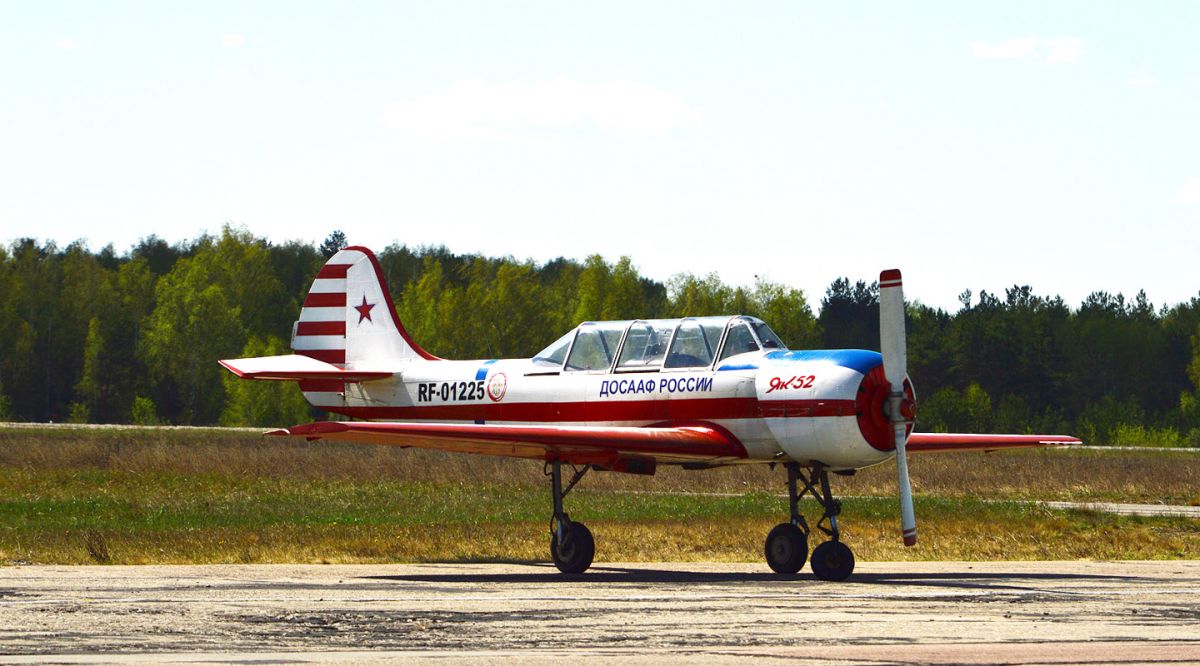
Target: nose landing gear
column 786, row 546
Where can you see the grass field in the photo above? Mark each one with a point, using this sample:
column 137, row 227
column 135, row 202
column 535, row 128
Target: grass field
column 192, row 495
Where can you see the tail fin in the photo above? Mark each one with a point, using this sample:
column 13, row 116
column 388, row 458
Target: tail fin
column 348, row 317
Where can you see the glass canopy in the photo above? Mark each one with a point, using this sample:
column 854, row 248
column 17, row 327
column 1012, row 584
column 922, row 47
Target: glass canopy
column 649, row 345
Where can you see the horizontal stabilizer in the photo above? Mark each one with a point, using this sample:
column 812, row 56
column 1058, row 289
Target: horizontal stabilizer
column 294, row 367
column 930, row 442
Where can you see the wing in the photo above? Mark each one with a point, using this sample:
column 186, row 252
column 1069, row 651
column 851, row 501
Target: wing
column 932, row 442
column 618, row 448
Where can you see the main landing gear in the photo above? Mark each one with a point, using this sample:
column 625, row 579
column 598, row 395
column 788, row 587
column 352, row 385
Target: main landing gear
column 571, row 544
column 787, row 544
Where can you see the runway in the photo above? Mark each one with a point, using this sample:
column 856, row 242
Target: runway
column 934, row 613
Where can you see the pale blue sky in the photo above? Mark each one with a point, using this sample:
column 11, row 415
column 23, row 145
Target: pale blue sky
column 973, row 145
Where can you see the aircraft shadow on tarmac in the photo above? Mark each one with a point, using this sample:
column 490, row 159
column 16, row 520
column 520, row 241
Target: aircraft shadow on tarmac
column 545, row 573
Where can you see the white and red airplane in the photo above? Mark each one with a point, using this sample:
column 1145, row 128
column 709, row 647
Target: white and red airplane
column 622, row 396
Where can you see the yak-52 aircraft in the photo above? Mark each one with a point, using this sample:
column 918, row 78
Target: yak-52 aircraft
column 622, row 396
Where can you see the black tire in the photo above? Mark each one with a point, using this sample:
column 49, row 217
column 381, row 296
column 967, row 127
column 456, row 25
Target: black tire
column 577, row 549
column 833, row 560
column 786, row 548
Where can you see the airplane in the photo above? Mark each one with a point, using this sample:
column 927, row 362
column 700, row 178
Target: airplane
column 623, row 396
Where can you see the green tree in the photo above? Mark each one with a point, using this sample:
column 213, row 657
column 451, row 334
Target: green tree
column 949, row 410
column 850, row 315
column 25, row 404
column 143, row 412
column 5, row 405
column 241, row 265
column 558, row 283
column 691, row 296
column 295, row 264
column 427, row 310
column 514, row 316
column 786, row 311
column 930, row 364
column 592, row 290
column 159, row 255
column 1193, row 369
column 8, row 328
column 192, row 326
column 1012, row 346
column 123, row 330
column 1118, row 347
column 335, row 242
column 86, row 295
column 624, row 296
column 92, row 390
column 1189, row 401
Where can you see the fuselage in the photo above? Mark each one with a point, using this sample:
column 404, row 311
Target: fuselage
column 780, row 405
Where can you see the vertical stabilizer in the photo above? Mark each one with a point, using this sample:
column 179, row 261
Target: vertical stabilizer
column 348, row 318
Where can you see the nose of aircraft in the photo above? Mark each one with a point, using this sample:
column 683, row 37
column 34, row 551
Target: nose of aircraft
column 872, row 408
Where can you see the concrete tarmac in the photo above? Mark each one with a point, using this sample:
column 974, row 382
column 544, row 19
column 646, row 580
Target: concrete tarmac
column 889, row 612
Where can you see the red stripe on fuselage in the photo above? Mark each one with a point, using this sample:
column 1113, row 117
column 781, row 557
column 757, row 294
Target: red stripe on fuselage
column 333, row 271
column 698, row 409
column 325, row 300
column 321, row 328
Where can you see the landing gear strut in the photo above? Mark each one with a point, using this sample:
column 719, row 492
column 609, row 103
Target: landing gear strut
column 571, row 544
column 787, row 544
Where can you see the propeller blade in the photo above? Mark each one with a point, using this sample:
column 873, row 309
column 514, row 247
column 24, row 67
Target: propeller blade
column 891, row 329
column 895, row 365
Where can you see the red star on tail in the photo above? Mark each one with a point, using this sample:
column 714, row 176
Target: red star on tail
column 364, row 310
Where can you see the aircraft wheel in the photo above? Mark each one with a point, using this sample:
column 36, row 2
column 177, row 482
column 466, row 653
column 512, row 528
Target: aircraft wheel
column 833, row 560
column 786, row 548
column 577, row 549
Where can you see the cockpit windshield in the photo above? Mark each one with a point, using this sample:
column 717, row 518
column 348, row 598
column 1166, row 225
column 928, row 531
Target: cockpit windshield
column 748, row 334
column 766, row 336
column 556, row 353
column 739, row 340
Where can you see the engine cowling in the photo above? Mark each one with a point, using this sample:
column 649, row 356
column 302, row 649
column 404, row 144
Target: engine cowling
column 827, row 406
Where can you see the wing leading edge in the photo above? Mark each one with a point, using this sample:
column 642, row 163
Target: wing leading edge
column 933, row 442
column 608, row 446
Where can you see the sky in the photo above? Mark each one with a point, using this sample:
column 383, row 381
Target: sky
column 974, row 145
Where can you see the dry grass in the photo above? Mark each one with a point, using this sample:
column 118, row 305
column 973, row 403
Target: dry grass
column 1056, row 536
column 177, row 496
column 1166, row 476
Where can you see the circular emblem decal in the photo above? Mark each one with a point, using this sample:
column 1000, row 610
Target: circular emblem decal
column 496, row 387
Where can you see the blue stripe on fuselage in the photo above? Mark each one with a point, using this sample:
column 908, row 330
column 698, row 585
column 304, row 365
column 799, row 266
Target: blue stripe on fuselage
column 740, row 366
column 481, row 373
column 859, row 360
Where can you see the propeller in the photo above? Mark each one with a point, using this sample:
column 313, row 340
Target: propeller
column 900, row 409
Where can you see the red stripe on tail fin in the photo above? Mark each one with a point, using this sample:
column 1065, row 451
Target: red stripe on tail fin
column 327, row 355
column 321, row 328
column 324, row 300
column 333, row 271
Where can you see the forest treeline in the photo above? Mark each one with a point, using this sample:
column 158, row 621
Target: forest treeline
column 96, row 336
